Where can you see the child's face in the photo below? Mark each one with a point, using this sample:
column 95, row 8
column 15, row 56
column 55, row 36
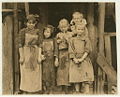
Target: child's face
column 77, row 18
column 47, row 32
column 79, row 30
column 31, row 24
column 64, row 28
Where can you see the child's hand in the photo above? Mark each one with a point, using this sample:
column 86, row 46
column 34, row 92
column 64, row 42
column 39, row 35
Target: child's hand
column 76, row 60
column 59, row 40
column 43, row 57
column 21, row 61
column 80, row 60
column 39, row 60
column 56, row 62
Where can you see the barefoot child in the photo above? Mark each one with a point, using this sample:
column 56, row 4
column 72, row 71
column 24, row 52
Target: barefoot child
column 30, row 40
column 63, row 60
column 81, row 69
column 48, row 50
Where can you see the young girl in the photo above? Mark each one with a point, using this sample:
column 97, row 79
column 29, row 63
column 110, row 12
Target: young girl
column 63, row 60
column 49, row 52
column 30, row 40
column 81, row 69
column 77, row 18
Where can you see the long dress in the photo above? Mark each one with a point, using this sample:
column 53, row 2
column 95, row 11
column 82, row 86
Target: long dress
column 82, row 71
column 63, row 69
column 31, row 73
column 48, row 50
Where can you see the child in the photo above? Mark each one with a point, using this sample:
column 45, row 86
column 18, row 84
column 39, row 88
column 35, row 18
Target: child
column 30, row 40
column 81, row 69
column 78, row 18
column 49, row 52
column 63, row 68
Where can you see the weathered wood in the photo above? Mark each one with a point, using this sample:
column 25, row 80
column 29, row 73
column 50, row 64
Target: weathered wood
column 101, row 17
column 109, row 70
column 92, row 29
column 110, row 34
column 108, row 49
column 109, row 59
column 16, row 64
column 7, row 80
column 27, row 8
column 9, row 10
column 101, row 23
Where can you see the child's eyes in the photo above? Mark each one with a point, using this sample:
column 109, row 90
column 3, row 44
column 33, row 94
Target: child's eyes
column 46, row 32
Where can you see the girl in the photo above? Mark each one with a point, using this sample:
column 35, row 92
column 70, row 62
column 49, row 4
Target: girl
column 49, row 52
column 30, row 40
column 78, row 18
column 63, row 60
column 81, row 69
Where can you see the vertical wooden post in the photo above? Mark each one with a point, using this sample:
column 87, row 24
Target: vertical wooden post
column 92, row 29
column 16, row 65
column 101, row 17
column 108, row 56
column 7, row 66
column 27, row 8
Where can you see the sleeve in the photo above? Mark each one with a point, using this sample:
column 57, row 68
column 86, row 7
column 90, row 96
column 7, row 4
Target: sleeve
column 40, row 39
column 88, row 46
column 70, row 49
column 21, row 38
column 56, row 48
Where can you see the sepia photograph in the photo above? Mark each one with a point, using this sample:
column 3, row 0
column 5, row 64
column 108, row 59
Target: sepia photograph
column 59, row 48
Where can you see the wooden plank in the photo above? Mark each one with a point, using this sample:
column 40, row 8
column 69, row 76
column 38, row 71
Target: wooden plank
column 109, row 59
column 101, row 17
column 101, row 23
column 108, row 49
column 7, row 78
column 108, row 55
column 93, row 38
column 109, row 70
column 27, row 8
column 110, row 34
column 9, row 10
column 16, row 64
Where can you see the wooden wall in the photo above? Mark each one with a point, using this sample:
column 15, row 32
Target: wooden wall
column 7, row 32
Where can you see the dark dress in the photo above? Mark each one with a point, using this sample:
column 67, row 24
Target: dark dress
column 63, row 69
column 49, row 51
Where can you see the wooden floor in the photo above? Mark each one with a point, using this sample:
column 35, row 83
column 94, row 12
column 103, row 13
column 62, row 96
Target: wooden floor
column 57, row 91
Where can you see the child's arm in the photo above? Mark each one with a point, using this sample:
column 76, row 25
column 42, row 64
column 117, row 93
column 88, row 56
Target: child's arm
column 56, row 62
column 83, row 57
column 59, row 38
column 21, row 52
column 56, row 52
column 87, row 49
column 40, row 41
column 21, row 37
column 39, row 55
